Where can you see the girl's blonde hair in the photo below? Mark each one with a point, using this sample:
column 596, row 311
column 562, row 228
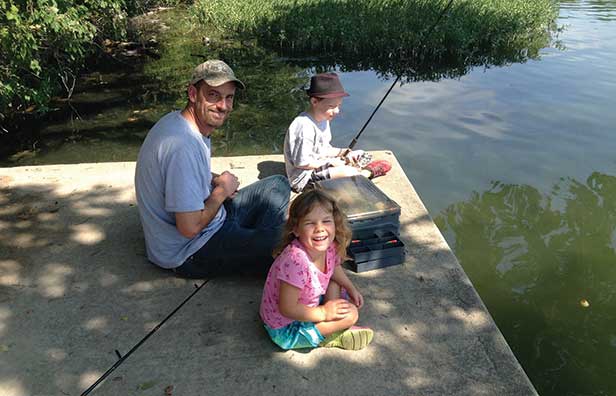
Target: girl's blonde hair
column 304, row 204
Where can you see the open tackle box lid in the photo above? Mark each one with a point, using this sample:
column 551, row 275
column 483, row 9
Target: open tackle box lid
column 360, row 198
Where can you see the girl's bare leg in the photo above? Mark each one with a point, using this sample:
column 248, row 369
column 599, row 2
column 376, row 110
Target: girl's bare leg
column 333, row 291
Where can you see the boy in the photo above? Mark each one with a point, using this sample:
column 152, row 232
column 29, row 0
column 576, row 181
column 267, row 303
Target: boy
column 309, row 156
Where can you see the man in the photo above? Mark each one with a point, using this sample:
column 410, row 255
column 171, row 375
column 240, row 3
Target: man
column 195, row 222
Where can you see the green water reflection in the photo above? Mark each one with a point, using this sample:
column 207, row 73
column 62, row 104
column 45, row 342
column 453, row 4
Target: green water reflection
column 416, row 40
column 113, row 107
column 534, row 258
column 484, row 42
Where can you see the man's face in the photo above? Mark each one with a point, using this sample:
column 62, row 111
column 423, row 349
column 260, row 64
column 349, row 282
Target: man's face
column 212, row 105
column 326, row 109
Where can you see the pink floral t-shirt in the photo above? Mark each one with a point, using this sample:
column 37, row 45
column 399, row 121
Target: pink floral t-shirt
column 295, row 267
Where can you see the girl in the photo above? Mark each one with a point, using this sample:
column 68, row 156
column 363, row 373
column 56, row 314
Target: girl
column 301, row 307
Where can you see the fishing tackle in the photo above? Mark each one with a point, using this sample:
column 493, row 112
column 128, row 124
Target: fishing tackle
column 133, row 349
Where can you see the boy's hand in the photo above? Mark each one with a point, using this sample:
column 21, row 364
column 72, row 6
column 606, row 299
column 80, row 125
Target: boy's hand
column 336, row 309
column 354, row 155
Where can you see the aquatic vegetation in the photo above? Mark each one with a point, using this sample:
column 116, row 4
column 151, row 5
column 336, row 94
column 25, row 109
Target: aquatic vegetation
column 390, row 36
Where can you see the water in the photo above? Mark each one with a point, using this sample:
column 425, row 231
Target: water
column 514, row 163
column 517, row 166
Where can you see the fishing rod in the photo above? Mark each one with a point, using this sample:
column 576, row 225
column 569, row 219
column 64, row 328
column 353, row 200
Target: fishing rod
column 123, row 358
column 354, row 141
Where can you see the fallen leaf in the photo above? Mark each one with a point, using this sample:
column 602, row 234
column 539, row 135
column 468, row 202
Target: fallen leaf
column 27, row 213
column 146, row 385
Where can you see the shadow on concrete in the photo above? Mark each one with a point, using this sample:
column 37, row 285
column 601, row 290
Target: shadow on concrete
column 269, row 168
column 433, row 336
column 75, row 286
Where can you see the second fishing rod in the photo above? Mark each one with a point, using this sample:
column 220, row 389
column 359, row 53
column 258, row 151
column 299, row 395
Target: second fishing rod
column 420, row 45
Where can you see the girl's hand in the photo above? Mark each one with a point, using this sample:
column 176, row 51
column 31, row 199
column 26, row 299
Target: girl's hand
column 336, row 309
column 356, row 297
column 343, row 281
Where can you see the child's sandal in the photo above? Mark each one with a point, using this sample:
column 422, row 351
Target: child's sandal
column 378, row 168
column 354, row 339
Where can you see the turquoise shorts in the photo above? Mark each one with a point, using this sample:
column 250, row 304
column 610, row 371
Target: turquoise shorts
column 296, row 335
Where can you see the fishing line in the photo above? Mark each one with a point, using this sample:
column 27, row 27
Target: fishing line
column 123, row 358
column 354, row 141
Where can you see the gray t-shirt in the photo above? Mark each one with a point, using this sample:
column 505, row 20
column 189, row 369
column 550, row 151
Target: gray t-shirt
column 306, row 141
column 173, row 174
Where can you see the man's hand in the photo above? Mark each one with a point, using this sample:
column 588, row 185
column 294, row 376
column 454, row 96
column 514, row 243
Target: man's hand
column 228, row 182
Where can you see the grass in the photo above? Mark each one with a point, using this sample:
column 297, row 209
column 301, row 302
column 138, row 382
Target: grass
column 390, row 36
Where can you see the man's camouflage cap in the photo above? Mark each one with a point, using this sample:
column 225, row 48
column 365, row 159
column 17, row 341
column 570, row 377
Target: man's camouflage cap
column 215, row 73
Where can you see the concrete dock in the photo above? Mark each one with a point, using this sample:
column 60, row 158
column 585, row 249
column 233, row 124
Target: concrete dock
column 75, row 287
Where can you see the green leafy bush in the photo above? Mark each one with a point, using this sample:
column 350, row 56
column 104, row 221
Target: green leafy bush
column 44, row 42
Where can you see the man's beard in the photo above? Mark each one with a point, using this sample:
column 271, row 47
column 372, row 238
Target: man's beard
column 217, row 122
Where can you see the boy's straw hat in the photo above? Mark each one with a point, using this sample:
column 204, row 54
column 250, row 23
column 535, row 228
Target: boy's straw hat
column 326, row 85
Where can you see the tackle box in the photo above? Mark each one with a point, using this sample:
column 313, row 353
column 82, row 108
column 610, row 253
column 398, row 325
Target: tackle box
column 374, row 219
column 381, row 250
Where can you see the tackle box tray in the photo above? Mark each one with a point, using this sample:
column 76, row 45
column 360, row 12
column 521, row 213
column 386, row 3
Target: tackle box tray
column 374, row 264
column 367, row 208
column 381, row 249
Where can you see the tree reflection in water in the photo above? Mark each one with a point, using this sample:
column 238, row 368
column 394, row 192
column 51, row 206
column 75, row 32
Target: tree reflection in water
column 534, row 258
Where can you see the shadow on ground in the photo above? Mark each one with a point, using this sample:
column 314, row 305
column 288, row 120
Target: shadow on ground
column 270, row 168
column 75, row 287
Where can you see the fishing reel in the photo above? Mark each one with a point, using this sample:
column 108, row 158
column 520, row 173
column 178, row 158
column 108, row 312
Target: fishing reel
column 364, row 159
column 360, row 162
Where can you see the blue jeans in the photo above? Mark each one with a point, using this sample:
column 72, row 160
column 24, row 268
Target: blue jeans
column 252, row 228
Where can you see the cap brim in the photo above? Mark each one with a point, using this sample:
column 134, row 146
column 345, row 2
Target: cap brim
column 329, row 95
column 219, row 82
